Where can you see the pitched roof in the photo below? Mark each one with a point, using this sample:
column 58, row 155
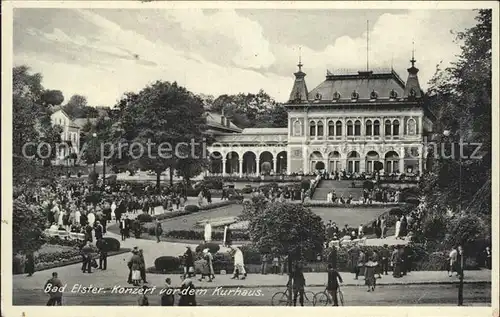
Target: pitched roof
column 265, row 131
column 214, row 120
column 343, row 86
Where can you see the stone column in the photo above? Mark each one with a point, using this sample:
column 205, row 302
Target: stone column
column 223, row 167
column 240, row 171
column 305, row 160
column 275, row 165
column 402, row 126
column 402, row 160
column 382, row 127
column 421, row 160
column 257, row 167
column 288, row 162
column 419, row 129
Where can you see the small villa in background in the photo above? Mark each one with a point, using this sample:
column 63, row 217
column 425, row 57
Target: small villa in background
column 70, row 136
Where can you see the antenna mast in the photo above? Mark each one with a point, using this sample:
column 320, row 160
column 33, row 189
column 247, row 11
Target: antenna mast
column 367, row 46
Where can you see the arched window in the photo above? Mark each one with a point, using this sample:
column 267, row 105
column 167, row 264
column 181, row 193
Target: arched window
column 376, row 127
column 312, row 128
column 368, row 127
column 350, row 128
column 331, row 128
column 321, row 132
column 338, row 128
column 395, row 127
column 357, row 127
column 412, row 127
column 297, row 128
column 388, row 127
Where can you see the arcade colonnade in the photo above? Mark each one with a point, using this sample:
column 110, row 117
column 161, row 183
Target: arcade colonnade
column 241, row 162
column 247, row 162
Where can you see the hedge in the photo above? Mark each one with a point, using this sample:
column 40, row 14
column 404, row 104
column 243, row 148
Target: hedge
column 212, row 247
column 144, row 218
column 112, row 244
column 167, row 264
column 200, row 235
column 191, row 208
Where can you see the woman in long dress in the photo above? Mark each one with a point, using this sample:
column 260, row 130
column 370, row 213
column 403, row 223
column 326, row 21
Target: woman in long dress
column 370, row 280
column 398, row 228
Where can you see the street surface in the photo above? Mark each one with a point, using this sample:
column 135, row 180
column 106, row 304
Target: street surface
column 478, row 294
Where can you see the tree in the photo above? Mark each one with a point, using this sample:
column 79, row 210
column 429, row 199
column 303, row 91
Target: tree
column 28, row 223
column 26, row 108
column 52, row 97
column 284, row 229
column 163, row 121
column 460, row 96
column 77, row 107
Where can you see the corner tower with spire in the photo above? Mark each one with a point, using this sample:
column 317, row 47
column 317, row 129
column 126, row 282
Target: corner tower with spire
column 412, row 87
column 299, row 91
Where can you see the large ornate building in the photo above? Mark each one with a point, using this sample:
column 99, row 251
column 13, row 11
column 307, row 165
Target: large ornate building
column 359, row 122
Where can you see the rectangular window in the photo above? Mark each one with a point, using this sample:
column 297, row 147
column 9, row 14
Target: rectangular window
column 312, row 130
column 349, row 130
column 350, row 166
column 376, row 130
column 356, row 166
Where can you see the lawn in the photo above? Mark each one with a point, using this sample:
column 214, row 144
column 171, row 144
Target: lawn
column 342, row 216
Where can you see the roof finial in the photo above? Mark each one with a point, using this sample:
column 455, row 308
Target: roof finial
column 300, row 59
column 412, row 61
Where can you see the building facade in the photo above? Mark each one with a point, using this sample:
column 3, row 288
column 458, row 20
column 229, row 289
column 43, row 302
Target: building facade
column 355, row 122
column 70, row 136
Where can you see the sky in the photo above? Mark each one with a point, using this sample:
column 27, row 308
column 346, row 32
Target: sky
column 103, row 53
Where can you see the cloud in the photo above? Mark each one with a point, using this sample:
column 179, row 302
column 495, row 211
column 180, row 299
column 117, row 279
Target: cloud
column 98, row 58
column 254, row 49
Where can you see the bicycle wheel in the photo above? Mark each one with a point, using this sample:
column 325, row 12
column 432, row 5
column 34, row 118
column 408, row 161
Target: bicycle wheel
column 320, row 299
column 341, row 298
column 279, row 299
column 309, row 298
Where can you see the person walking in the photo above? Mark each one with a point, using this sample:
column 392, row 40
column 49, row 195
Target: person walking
column 298, row 285
column 263, row 263
column 135, row 265
column 102, row 246
column 452, row 267
column 53, row 288
column 142, row 267
column 333, row 283
column 188, row 259
column 143, row 299
column 167, row 297
column 87, row 257
column 30, row 263
column 360, row 264
column 396, row 262
column 239, row 265
column 188, row 293
column 370, row 279
column 385, row 255
column 158, row 230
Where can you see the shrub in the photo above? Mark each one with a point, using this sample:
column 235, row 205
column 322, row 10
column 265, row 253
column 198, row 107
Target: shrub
column 18, row 264
column 167, row 264
column 247, row 190
column 251, row 254
column 237, row 235
column 305, row 184
column 436, row 261
column 368, row 185
column 191, row 209
column 144, row 218
column 112, row 244
column 212, row 247
column 93, row 177
column 148, row 228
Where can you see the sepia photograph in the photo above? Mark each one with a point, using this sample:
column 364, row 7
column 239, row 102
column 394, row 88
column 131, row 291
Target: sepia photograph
column 240, row 156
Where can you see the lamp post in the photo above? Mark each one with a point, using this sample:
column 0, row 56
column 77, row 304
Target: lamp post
column 446, row 133
column 94, row 141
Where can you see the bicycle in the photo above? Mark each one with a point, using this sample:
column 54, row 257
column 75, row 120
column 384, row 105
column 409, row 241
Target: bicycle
column 324, row 298
column 281, row 298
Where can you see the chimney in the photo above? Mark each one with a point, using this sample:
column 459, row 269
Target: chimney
column 228, row 122
column 222, row 120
